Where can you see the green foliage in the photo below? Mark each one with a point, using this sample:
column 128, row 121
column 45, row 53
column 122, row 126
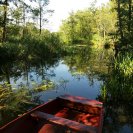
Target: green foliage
column 10, row 100
column 124, row 22
column 14, row 102
column 124, row 65
column 103, row 92
column 119, row 86
column 4, row 95
column 117, row 93
column 27, row 44
column 45, row 85
column 91, row 26
column 9, row 52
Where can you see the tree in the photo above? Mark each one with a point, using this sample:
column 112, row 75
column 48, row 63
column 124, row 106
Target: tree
column 119, row 19
column 130, row 15
column 5, row 4
column 39, row 12
column 86, row 25
column 125, row 20
column 105, row 19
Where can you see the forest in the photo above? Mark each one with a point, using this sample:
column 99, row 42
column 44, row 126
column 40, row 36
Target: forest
column 25, row 45
column 21, row 25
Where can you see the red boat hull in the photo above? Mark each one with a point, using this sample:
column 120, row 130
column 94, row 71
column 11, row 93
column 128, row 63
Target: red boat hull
column 59, row 115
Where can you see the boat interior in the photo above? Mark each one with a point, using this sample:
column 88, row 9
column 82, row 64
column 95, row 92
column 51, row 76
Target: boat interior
column 62, row 115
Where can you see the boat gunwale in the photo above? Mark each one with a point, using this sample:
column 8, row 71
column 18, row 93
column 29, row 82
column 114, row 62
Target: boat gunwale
column 28, row 113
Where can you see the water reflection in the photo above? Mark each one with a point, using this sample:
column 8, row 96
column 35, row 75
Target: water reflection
column 84, row 72
column 41, row 79
column 90, row 63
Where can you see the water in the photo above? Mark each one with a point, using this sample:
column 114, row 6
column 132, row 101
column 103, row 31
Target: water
column 79, row 75
column 80, row 86
column 67, row 83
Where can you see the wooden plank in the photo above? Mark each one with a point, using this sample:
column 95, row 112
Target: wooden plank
column 82, row 100
column 81, row 128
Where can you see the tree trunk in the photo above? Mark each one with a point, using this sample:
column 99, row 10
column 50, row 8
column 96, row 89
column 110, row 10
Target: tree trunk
column 130, row 15
column 119, row 19
column 4, row 21
column 23, row 20
column 104, row 34
column 7, row 73
column 40, row 17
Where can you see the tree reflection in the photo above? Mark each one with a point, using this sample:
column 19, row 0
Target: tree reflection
column 15, row 100
column 89, row 62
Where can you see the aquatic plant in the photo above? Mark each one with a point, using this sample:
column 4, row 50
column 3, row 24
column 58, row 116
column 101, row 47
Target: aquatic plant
column 124, row 64
column 45, row 85
column 13, row 99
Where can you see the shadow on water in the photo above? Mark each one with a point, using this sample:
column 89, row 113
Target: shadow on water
column 84, row 71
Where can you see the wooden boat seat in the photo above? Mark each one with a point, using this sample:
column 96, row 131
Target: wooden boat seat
column 68, row 124
column 82, row 100
column 81, row 104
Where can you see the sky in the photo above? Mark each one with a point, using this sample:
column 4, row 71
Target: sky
column 62, row 8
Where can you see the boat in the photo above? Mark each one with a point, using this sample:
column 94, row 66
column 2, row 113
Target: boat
column 64, row 114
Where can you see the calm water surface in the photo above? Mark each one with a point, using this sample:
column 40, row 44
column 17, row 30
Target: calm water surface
column 67, row 83
column 79, row 76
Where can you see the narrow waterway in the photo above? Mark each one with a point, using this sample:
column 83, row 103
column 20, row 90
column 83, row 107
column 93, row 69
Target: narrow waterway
column 79, row 74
